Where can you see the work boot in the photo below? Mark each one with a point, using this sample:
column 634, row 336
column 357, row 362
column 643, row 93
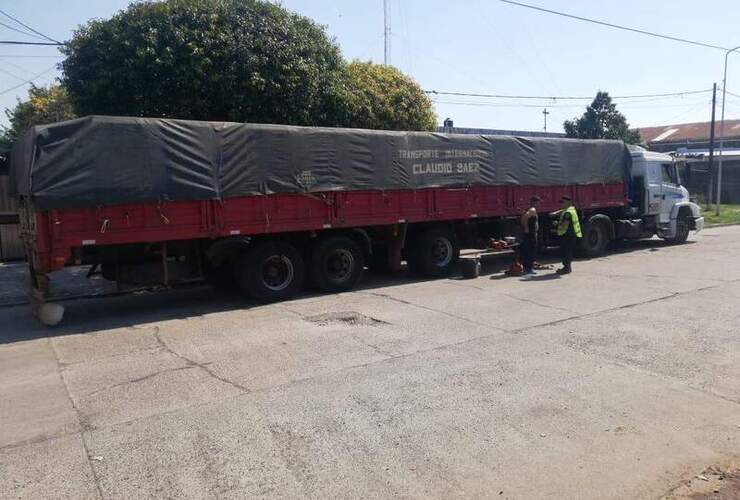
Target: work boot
column 563, row 270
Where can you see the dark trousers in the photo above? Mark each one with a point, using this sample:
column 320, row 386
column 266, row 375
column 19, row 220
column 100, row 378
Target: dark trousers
column 528, row 252
column 567, row 247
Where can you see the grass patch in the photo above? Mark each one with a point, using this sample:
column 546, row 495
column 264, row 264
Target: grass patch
column 728, row 214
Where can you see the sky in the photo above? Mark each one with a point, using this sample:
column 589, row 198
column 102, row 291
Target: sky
column 483, row 46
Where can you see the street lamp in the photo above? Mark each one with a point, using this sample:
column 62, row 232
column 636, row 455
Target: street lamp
column 722, row 132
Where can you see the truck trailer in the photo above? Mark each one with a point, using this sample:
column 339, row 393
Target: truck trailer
column 271, row 209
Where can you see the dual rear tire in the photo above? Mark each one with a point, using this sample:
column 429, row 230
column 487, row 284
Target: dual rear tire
column 433, row 253
column 337, row 264
column 272, row 271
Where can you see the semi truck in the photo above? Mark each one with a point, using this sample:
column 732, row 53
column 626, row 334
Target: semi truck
column 271, row 209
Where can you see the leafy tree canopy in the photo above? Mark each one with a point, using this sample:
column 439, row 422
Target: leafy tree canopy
column 601, row 121
column 381, row 97
column 44, row 105
column 236, row 60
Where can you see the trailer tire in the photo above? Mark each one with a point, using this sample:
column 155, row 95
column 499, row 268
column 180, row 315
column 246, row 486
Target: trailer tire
column 271, row 271
column 596, row 236
column 433, row 252
column 337, row 264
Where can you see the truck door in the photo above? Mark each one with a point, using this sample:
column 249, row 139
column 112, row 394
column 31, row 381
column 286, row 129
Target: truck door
column 671, row 190
column 654, row 188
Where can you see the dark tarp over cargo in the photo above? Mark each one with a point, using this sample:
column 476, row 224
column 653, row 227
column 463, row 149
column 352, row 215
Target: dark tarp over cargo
column 100, row 160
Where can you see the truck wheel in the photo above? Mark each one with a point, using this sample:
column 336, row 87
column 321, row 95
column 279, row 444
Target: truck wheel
column 433, row 253
column 270, row 271
column 595, row 238
column 337, row 263
column 682, row 228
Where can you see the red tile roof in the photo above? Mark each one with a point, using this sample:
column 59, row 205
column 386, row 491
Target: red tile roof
column 683, row 132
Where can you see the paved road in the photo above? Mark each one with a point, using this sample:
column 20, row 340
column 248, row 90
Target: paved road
column 619, row 381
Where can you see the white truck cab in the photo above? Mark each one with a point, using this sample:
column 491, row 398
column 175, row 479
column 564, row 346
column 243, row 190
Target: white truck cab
column 659, row 199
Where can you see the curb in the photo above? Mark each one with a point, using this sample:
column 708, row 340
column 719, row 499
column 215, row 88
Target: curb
column 726, row 224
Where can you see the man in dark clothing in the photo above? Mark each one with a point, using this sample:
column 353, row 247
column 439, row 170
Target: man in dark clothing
column 530, row 230
column 569, row 230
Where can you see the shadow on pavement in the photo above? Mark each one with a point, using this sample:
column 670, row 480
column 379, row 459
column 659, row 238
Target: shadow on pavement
column 94, row 309
column 653, row 245
column 552, row 275
column 95, row 314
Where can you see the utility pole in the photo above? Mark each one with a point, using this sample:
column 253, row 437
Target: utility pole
column 718, row 201
column 545, row 112
column 387, row 32
column 711, row 146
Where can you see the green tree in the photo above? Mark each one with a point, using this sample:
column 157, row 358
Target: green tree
column 601, row 121
column 44, row 105
column 381, row 97
column 235, row 60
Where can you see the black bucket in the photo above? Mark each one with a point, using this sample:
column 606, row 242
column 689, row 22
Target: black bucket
column 470, row 268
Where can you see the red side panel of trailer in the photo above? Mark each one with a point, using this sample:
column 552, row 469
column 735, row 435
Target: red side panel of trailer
column 58, row 232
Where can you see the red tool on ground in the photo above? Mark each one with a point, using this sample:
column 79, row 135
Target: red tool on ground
column 516, row 268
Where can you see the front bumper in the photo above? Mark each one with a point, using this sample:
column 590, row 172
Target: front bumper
column 698, row 224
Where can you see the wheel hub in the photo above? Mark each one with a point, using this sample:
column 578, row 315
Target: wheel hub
column 441, row 252
column 593, row 237
column 277, row 272
column 340, row 265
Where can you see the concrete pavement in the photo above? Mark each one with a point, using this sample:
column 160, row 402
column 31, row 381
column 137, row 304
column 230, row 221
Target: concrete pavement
column 619, row 381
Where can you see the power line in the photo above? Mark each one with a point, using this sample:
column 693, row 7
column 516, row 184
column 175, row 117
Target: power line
column 563, row 98
column 529, row 104
column 29, row 28
column 23, row 56
column 635, row 104
column 706, row 103
column 16, row 42
column 424, row 54
column 25, row 70
column 504, row 43
column 672, row 120
column 616, row 26
column 543, row 63
column 13, row 28
column 39, row 75
column 503, row 105
column 10, row 73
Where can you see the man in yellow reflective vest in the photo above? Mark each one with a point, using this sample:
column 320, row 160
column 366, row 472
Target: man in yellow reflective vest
column 569, row 230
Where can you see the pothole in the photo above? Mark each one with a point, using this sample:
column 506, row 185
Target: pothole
column 351, row 318
column 714, row 483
